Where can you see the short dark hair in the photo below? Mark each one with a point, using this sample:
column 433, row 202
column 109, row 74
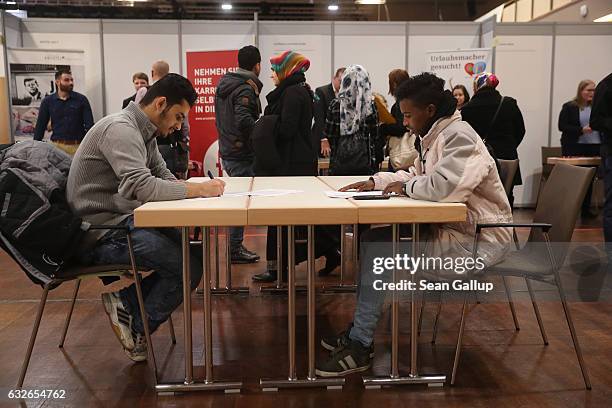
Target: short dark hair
column 174, row 87
column 60, row 72
column 423, row 89
column 28, row 80
column 248, row 57
column 140, row 75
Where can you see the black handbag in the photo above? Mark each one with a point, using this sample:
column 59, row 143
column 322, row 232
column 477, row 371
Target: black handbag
column 264, row 138
column 352, row 155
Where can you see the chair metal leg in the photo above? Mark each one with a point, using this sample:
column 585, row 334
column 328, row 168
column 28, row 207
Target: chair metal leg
column 140, row 297
column 171, row 327
column 568, row 316
column 39, row 313
column 511, row 304
column 437, row 318
column 421, row 313
column 459, row 339
column 537, row 312
column 74, row 296
column 515, row 238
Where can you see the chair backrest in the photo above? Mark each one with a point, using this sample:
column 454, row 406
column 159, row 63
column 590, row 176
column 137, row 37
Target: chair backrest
column 546, row 153
column 507, row 171
column 560, row 203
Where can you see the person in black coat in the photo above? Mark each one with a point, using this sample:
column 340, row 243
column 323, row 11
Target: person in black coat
column 503, row 132
column 397, row 129
column 323, row 97
column 577, row 137
column 139, row 79
column 292, row 100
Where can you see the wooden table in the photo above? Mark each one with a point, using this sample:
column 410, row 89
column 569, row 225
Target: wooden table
column 221, row 211
column 309, row 207
column 575, row 161
column 402, row 210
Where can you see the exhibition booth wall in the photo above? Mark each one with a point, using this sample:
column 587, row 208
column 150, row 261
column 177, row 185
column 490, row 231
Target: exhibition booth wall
column 539, row 64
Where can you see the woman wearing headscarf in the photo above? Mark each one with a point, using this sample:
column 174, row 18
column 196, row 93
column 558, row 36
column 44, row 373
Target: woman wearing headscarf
column 292, row 100
column 498, row 120
column 351, row 125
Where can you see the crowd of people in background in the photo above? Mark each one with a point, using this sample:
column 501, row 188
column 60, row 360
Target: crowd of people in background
column 442, row 146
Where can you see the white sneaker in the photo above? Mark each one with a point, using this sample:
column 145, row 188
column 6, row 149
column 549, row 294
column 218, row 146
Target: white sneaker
column 139, row 352
column 120, row 319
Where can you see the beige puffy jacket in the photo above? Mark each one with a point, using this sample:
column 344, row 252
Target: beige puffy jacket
column 455, row 166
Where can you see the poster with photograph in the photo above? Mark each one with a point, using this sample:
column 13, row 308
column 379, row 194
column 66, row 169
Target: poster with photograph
column 458, row 67
column 33, row 78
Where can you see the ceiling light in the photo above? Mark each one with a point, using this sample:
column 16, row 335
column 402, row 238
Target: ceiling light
column 226, row 6
column 604, row 19
column 10, row 2
column 370, row 1
column 332, row 7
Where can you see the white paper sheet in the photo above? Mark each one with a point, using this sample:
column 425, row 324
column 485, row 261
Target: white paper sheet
column 351, row 194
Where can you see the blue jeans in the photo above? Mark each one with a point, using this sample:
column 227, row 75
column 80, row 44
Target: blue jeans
column 157, row 249
column 370, row 301
column 238, row 168
column 607, row 212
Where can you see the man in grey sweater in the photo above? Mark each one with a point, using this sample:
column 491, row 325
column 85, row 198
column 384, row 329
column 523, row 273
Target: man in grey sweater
column 116, row 169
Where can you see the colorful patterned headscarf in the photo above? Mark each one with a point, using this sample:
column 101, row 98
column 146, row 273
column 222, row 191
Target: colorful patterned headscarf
column 356, row 99
column 288, row 63
column 485, row 79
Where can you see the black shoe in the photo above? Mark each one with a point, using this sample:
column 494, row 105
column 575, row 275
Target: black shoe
column 250, row 252
column 350, row 358
column 266, row 277
column 332, row 343
column 240, row 256
column 332, row 261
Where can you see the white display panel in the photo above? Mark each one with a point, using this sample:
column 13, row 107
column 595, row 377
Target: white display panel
column 419, row 45
column 125, row 54
column 378, row 54
column 90, row 44
column 317, row 48
column 523, row 65
column 576, row 58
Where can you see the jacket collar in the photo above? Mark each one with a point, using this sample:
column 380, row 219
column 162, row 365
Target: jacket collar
column 251, row 79
column 438, row 127
column 143, row 123
column 287, row 82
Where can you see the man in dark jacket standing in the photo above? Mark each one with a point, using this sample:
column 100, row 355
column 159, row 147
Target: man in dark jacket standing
column 237, row 107
column 601, row 120
column 323, row 97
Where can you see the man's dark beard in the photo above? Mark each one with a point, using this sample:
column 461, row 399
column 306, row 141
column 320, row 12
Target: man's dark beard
column 67, row 88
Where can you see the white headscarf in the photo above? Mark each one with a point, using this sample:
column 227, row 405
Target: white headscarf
column 356, row 100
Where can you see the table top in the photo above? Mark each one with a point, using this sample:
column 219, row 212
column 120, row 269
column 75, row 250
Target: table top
column 399, row 209
column 576, row 161
column 206, row 212
column 309, row 207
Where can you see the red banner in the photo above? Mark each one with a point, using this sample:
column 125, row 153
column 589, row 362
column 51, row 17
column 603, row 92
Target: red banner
column 204, row 70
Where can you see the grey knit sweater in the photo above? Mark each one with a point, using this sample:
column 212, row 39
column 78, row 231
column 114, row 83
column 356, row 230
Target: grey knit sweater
column 117, row 168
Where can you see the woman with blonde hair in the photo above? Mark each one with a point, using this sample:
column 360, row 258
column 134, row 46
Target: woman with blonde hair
column 577, row 137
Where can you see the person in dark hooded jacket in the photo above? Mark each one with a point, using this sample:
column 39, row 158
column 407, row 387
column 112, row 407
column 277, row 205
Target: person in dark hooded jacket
column 293, row 101
column 237, row 107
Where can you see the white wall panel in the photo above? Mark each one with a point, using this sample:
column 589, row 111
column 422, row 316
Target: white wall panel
column 523, row 64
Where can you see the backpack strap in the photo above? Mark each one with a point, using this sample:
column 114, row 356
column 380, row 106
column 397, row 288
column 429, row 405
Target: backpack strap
column 501, row 102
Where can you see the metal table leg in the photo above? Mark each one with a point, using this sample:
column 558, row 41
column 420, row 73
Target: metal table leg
column 292, row 380
column 342, row 288
column 189, row 384
column 229, row 289
column 414, row 377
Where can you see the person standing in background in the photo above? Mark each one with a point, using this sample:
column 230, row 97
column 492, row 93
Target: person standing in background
column 175, row 148
column 461, row 95
column 69, row 112
column 498, row 121
column 601, row 120
column 139, row 80
column 396, row 129
column 323, row 97
column 577, row 137
column 237, row 107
